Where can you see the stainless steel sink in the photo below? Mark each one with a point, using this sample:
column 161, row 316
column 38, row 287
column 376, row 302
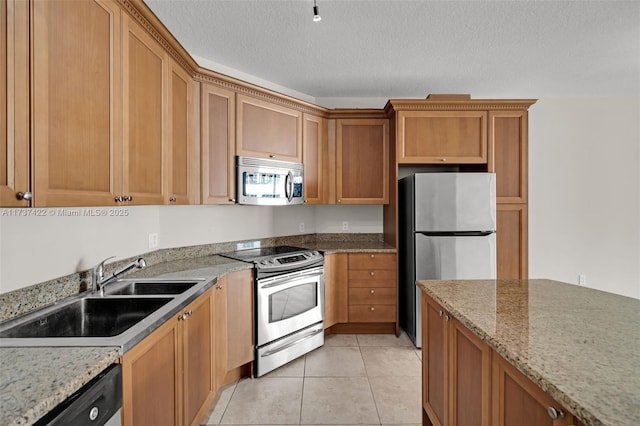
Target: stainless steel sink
column 138, row 288
column 88, row 317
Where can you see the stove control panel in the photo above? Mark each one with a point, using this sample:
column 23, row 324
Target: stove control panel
column 293, row 260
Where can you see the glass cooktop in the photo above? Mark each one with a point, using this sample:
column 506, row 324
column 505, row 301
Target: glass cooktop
column 261, row 253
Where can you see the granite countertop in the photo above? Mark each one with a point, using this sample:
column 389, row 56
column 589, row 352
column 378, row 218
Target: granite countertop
column 581, row 346
column 329, row 247
column 34, row 380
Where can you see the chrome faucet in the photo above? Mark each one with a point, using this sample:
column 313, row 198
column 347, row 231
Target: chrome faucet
column 98, row 281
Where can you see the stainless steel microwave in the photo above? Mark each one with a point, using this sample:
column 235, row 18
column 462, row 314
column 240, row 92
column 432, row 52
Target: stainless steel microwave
column 269, row 182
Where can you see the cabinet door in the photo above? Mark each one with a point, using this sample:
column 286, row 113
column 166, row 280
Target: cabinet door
column 362, row 161
column 218, row 145
column 434, row 362
column 268, row 130
column 144, row 138
column 436, row 137
column 181, row 144
column 75, row 102
column 240, row 319
column 508, row 154
column 198, row 387
column 511, row 241
column 14, row 102
column 335, row 289
column 150, row 377
column 519, row 401
column 220, row 331
column 469, row 378
column 316, row 167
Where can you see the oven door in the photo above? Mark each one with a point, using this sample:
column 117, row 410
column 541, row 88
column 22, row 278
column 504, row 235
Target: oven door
column 288, row 303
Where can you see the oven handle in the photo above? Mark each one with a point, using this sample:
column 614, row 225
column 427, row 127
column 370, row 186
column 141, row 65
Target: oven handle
column 295, row 342
column 286, row 279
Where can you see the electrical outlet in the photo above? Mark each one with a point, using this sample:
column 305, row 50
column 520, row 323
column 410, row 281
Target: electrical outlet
column 153, row 240
column 345, row 226
column 582, row 279
column 301, row 227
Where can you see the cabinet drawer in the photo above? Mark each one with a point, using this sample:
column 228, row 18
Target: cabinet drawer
column 372, row 296
column 372, row 261
column 373, row 275
column 372, row 313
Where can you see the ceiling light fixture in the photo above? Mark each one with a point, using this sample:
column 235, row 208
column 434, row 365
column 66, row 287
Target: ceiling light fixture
column 316, row 15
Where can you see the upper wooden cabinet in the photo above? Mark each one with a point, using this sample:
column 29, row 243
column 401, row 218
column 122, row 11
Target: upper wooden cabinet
column 508, row 154
column 428, row 137
column 315, row 158
column 145, row 142
column 76, row 87
column 268, row 130
column 181, row 180
column 14, row 103
column 362, row 161
column 512, row 241
column 217, row 131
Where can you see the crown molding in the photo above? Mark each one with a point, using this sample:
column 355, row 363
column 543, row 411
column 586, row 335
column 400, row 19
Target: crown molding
column 457, row 105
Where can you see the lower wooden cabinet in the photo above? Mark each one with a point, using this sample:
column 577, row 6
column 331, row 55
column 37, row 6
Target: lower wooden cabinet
column 511, row 241
column 456, row 370
column 335, row 289
column 373, row 289
column 233, row 323
column 168, row 378
column 464, row 382
column 518, row 401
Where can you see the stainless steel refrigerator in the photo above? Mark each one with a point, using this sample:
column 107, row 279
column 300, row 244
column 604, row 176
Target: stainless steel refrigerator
column 447, row 224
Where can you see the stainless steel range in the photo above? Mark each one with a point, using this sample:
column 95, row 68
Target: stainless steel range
column 289, row 303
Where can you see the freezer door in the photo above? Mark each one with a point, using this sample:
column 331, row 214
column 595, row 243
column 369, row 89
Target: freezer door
column 454, row 202
column 455, row 258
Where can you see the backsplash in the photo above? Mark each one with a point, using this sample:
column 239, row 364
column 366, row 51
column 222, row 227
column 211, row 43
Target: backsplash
column 21, row 301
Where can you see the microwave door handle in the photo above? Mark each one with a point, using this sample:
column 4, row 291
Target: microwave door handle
column 288, row 186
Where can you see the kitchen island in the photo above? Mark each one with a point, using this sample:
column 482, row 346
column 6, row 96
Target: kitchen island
column 579, row 346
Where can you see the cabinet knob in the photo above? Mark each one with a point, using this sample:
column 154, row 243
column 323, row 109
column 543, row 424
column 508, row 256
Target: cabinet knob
column 172, row 199
column 447, row 317
column 555, row 413
column 372, row 309
column 233, row 200
column 372, row 291
column 118, row 199
column 27, row 196
column 127, row 198
column 339, row 201
column 306, row 201
column 372, row 273
column 373, row 256
column 443, row 160
column 272, row 156
column 189, row 312
column 218, row 287
column 441, row 313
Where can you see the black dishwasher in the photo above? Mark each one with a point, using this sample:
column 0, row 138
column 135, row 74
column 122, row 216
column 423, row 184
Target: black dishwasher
column 96, row 403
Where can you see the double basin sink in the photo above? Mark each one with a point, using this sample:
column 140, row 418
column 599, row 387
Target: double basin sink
column 128, row 311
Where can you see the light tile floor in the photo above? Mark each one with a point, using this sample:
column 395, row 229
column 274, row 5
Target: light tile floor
column 352, row 379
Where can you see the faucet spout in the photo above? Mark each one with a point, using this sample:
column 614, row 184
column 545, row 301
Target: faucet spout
column 98, row 280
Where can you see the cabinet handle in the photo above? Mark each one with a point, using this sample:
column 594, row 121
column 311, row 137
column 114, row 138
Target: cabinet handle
column 372, row 273
column 306, row 201
column 218, row 287
column 27, row 196
column 128, row 198
column 555, row 414
column 119, row 199
column 443, row 160
column 372, row 291
column 189, row 312
column 339, row 201
column 172, row 199
column 447, row 317
column 233, row 200
column 441, row 313
column 373, row 256
column 372, row 309
column 272, row 156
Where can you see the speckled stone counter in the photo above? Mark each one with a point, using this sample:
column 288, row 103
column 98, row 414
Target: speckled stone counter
column 34, row 380
column 581, row 346
column 329, row 247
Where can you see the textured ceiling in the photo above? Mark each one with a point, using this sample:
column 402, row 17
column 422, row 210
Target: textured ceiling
column 402, row 48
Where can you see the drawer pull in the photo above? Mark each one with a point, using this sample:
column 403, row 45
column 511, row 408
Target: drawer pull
column 372, row 291
column 372, row 309
column 373, row 256
column 441, row 313
column 372, row 273
column 555, row 414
